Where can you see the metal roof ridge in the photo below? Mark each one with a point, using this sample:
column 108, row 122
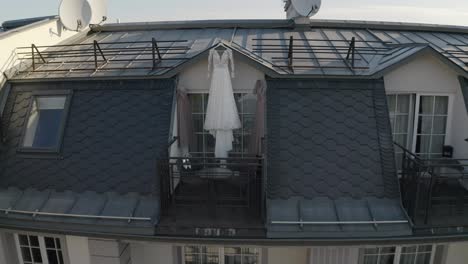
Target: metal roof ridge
column 196, row 24
column 278, row 23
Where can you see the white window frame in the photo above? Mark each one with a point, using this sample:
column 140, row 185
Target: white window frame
column 412, row 135
column 398, row 249
column 42, row 247
column 448, row 128
column 221, row 252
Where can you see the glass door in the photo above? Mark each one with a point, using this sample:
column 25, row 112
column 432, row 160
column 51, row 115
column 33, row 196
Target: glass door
column 430, row 125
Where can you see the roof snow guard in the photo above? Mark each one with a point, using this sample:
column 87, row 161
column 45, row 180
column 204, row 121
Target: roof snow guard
column 82, row 212
column 342, row 181
column 328, row 48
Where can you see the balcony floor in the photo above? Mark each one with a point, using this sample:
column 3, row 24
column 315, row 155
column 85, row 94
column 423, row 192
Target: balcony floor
column 448, row 211
column 212, row 210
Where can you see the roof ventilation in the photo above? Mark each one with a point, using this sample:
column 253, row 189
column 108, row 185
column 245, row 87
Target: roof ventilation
column 301, row 10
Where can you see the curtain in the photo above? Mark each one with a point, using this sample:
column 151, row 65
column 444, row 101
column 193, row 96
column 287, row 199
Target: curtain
column 259, row 130
column 184, row 120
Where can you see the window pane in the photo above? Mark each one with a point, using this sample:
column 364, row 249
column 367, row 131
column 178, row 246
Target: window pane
column 198, row 123
column 387, row 250
column 52, row 256
column 401, row 139
column 437, row 144
column 197, row 103
column 26, row 254
column 23, row 240
column 422, row 144
column 36, row 252
column 198, row 144
column 210, row 250
column 401, row 124
column 403, row 104
column 425, row 125
column 423, row 258
column 49, row 242
column 441, row 105
column 440, row 123
column 210, row 259
column 411, row 249
column 249, row 260
column 237, row 143
column 407, row 259
column 392, row 122
column 425, row 248
column 44, row 122
column 34, row 241
column 370, row 260
column 232, row 260
column 368, row 251
column 248, row 123
column 191, row 249
column 391, row 99
column 210, row 143
column 232, row 250
column 386, row 259
column 57, row 243
column 426, row 105
column 250, row 251
column 60, row 256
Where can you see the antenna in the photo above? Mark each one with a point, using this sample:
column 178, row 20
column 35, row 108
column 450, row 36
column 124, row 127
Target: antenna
column 75, row 15
column 98, row 11
column 302, row 8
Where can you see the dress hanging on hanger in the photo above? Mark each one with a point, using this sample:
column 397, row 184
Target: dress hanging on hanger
column 222, row 116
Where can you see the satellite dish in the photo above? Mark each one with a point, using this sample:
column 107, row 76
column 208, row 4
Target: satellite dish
column 306, row 8
column 75, row 14
column 98, row 11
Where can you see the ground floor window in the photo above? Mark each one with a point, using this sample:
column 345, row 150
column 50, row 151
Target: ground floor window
column 197, row 254
column 39, row 249
column 414, row 254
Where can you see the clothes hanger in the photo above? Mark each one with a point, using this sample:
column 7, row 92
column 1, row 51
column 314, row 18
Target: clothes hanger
column 220, row 47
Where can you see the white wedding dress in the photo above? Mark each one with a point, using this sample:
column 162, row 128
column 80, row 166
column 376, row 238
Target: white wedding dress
column 221, row 114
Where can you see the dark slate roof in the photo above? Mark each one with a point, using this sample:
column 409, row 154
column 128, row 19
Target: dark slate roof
column 330, row 154
column 379, row 46
column 115, row 132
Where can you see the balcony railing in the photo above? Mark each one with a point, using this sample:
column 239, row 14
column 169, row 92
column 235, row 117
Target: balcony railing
column 212, row 184
column 434, row 191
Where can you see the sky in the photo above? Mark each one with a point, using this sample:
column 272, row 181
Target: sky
column 450, row 12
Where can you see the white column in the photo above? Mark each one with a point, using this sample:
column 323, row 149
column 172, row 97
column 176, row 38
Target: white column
column 78, row 250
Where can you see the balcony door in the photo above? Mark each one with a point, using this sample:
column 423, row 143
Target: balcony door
column 431, row 125
column 419, row 123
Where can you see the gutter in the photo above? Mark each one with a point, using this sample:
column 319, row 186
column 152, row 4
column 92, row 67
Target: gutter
column 417, row 239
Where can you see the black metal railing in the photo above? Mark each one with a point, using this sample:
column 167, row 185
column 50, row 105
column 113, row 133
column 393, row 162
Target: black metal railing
column 434, row 189
column 105, row 56
column 211, row 182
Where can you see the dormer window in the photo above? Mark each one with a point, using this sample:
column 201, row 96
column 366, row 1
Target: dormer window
column 45, row 123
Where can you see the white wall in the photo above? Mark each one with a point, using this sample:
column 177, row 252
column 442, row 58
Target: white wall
column 195, row 78
column 108, row 251
column 78, row 250
column 427, row 74
column 457, row 253
column 48, row 32
column 152, row 253
column 282, row 255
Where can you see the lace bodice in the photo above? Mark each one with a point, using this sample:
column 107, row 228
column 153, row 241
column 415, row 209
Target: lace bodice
column 220, row 61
